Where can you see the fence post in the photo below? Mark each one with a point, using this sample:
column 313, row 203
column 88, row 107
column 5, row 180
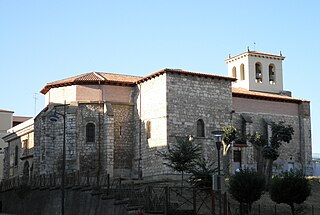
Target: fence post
column 166, row 200
column 275, row 209
column 225, row 204
column 213, row 202
column 194, row 201
column 108, row 183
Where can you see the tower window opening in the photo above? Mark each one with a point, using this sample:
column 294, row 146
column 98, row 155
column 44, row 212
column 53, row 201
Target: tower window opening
column 242, row 77
column 234, row 72
column 258, row 73
column 272, row 79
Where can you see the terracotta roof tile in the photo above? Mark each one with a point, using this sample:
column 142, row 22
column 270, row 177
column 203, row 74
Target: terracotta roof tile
column 180, row 71
column 92, row 78
column 240, row 92
column 6, row 111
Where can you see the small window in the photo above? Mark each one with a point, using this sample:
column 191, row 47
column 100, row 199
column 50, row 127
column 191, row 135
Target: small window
column 258, row 73
column 234, row 72
column 272, row 73
column 200, row 128
column 16, row 156
column 242, row 77
column 90, row 132
column 237, row 156
column 148, row 129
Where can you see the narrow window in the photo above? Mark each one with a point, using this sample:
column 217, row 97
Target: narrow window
column 200, row 128
column 90, row 132
column 272, row 79
column 148, row 129
column 234, row 72
column 258, row 73
column 242, row 72
column 237, row 156
column 16, row 151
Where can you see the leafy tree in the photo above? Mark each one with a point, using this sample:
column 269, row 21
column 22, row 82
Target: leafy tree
column 258, row 141
column 231, row 135
column 290, row 188
column 281, row 133
column 181, row 156
column 202, row 173
column 246, row 186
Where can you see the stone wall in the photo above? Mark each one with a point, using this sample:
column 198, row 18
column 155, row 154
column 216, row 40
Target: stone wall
column 39, row 202
column 124, row 133
column 191, row 98
column 80, row 154
column 150, row 107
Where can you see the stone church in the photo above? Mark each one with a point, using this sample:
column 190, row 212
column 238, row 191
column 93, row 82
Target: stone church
column 114, row 124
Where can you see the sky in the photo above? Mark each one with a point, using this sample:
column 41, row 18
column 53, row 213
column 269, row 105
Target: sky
column 44, row 41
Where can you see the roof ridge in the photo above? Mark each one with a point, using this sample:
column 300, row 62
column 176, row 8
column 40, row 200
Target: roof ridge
column 99, row 76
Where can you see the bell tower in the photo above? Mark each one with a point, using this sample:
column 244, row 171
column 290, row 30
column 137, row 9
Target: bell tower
column 257, row 71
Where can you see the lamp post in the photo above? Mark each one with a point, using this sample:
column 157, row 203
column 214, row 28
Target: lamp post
column 54, row 118
column 218, row 136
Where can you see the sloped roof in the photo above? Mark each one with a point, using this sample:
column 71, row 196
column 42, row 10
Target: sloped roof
column 118, row 79
column 240, row 92
column 6, row 111
column 184, row 72
column 92, row 78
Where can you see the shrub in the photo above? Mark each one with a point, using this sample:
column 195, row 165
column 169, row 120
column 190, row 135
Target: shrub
column 290, row 188
column 246, row 186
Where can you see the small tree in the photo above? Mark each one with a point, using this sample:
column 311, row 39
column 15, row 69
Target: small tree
column 246, row 186
column 201, row 173
column 267, row 154
column 281, row 133
column 231, row 135
column 181, row 156
column 290, row 188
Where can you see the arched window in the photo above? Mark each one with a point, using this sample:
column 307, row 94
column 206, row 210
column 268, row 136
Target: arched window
column 16, row 156
column 90, row 132
column 234, row 72
column 258, row 73
column 200, row 128
column 242, row 77
column 26, row 169
column 148, row 129
column 272, row 74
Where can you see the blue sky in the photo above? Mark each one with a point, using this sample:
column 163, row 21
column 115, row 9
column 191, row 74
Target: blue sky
column 43, row 41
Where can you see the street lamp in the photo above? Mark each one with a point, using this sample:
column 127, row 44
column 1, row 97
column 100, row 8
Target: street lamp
column 218, row 136
column 54, row 118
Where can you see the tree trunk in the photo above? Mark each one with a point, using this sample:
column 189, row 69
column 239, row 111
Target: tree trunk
column 268, row 171
column 292, row 209
column 226, row 164
column 260, row 161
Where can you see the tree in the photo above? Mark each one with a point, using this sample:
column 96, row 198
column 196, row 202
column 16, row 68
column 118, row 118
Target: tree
column 181, row 156
column 290, row 188
column 281, row 133
column 231, row 135
column 201, row 173
column 246, row 186
column 258, row 141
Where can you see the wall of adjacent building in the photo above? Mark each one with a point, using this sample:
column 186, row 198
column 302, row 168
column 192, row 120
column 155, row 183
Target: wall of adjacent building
column 262, row 112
